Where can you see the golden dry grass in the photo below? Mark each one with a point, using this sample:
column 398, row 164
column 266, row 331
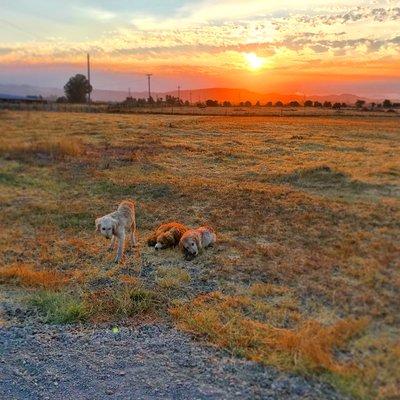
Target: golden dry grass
column 224, row 320
column 26, row 275
column 306, row 211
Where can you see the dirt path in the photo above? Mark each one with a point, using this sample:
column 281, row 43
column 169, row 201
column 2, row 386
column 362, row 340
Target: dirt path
column 150, row 362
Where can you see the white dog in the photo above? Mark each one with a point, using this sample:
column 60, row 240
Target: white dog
column 113, row 226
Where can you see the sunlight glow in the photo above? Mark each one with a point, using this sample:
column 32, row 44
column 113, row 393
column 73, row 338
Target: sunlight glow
column 254, row 62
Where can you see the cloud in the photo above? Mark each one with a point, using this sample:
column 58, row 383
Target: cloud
column 97, row 13
column 312, row 37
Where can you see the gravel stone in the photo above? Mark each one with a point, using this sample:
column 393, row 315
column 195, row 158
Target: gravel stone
column 147, row 362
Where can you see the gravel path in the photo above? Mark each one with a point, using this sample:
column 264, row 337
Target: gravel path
column 149, row 362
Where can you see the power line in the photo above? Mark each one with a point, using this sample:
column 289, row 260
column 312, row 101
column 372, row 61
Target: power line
column 18, row 28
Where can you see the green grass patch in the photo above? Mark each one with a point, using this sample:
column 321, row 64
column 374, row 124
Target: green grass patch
column 59, row 307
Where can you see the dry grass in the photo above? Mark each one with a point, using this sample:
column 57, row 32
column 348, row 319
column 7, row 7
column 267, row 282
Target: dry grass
column 27, row 275
column 171, row 277
column 56, row 150
column 224, row 321
column 306, row 210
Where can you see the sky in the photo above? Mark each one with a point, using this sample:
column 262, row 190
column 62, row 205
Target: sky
column 310, row 47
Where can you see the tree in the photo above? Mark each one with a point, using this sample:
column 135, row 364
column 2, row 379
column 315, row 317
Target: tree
column 269, row 104
column 247, row 103
column 327, row 104
column 62, row 99
column 387, row 103
column 258, row 103
column 211, row 103
column 77, row 88
column 278, row 104
column 317, row 104
column 294, row 104
column 360, row 103
column 308, row 103
column 226, row 104
column 337, row 106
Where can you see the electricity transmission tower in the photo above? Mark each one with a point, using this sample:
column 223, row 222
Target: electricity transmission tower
column 148, row 84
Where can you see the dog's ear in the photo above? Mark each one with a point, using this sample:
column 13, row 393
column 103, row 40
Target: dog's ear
column 169, row 238
column 181, row 246
column 114, row 226
column 175, row 236
column 97, row 224
column 198, row 240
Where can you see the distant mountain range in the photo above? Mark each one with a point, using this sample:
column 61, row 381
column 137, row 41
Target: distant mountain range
column 221, row 94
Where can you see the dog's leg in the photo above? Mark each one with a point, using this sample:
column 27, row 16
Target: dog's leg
column 133, row 235
column 111, row 247
column 121, row 245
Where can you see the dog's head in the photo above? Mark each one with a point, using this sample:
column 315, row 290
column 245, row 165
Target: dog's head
column 167, row 239
column 106, row 226
column 189, row 244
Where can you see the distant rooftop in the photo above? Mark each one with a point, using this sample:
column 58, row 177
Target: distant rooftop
column 13, row 97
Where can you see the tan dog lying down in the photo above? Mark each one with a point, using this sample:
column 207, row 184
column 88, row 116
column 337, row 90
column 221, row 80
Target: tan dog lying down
column 113, row 226
column 194, row 240
column 167, row 235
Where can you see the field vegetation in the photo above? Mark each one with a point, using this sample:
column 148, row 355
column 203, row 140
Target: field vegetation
column 306, row 274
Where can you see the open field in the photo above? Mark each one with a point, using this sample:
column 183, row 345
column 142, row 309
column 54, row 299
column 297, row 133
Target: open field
column 305, row 276
column 253, row 111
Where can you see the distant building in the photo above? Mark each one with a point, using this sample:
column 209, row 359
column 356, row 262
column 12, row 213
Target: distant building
column 11, row 98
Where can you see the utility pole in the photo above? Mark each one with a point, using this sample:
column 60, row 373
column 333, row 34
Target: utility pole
column 179, row 93
column 190, row 97
column 148, row 84
column 88, row 73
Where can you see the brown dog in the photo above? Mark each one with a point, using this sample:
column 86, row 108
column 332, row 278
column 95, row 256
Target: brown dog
column 194, row 240
column 167, row 235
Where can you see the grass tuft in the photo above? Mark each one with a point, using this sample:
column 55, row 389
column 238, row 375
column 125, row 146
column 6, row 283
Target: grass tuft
column 106, row 304
column 171, row 277
column 59, row 307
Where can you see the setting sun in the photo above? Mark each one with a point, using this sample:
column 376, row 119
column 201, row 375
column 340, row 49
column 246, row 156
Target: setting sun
column 254, row 62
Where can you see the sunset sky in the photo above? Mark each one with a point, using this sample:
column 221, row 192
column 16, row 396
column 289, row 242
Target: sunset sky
column 312, row 47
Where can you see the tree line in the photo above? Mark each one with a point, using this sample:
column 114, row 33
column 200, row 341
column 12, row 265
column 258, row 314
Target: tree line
column 78, row 87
